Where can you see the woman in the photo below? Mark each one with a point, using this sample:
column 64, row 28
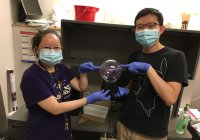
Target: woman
column 46, row 88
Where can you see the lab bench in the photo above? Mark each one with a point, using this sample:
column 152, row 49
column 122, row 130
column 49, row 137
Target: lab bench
column 17, row 125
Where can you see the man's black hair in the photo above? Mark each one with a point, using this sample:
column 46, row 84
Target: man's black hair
column 38, row 38
column 152, row 11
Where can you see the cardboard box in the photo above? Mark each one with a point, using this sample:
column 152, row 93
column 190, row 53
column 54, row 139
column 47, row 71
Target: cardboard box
column 185, row 20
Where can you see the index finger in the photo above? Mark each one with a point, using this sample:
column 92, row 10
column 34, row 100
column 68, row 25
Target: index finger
column 127, row 65
column 106, row 91
column 96, row 67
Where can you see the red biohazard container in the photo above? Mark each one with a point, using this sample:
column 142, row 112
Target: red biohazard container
column 85, row 13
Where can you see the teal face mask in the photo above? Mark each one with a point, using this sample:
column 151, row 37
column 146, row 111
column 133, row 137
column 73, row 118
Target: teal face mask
column 50, row 57
column 147, row 37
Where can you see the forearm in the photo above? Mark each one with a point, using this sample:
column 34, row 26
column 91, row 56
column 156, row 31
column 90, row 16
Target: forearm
column 83, row 82
column 166, row 92
column 128, row 87
column 70, row 105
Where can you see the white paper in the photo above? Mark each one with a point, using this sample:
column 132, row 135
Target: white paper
column 25, row 44
column 194, row 23
column 33, row 57
column 195, row 112
column 24, row 38
column 14, row 104
column 25, row 50
column 25, row 57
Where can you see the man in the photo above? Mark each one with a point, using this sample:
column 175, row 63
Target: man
column 156, row 75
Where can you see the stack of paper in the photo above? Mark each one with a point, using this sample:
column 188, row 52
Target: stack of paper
column 95, row 110
column 85, row 117
column 195, row 114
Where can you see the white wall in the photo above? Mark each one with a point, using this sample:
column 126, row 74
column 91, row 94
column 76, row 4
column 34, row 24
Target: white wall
column 124, row 12
column 8, row 14
column 47, row 7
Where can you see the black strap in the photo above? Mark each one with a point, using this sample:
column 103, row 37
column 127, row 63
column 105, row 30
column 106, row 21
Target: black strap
column 61, row 86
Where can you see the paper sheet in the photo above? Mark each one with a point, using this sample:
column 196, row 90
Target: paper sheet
column 96, row 119
column 195, row 112
column 25, row 50
column 33, row 57
column 25, row 44
column 24, row 38
column 194, row 23
column 25, row 57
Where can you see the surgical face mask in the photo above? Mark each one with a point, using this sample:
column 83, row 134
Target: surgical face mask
column 147, row 37
column 50, row 57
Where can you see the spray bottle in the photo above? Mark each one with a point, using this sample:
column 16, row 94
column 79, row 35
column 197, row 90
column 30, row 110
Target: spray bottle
column 183, row 120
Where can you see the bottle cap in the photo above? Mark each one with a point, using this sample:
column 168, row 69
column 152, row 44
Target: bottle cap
column 186, row 108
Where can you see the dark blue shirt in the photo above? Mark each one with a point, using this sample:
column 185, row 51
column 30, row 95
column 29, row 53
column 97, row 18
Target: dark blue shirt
column 36, row 86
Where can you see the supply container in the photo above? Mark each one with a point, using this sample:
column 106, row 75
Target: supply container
column 95, row 110
column 85, row 13
column 183, row 120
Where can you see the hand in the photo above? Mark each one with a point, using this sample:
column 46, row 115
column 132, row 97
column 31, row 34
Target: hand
column 135, row 66
column 122, row 91
column 87, row 67
column 98, row 96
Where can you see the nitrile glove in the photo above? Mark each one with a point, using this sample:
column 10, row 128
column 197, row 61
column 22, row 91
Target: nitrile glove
column 98, row 96
column 135, row 66
column 122, row 91
column 87, row 67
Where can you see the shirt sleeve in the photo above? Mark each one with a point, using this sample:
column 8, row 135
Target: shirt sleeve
column 34, row 89
column 67, row 71
column 70, row 74
column 177, row 71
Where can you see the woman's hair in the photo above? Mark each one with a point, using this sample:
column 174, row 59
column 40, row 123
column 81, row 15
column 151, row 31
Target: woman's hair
column 38, row 38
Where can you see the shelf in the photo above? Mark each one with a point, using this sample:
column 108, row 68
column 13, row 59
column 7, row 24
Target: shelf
column 120, row 26
column 26, row 25
column 182, row 31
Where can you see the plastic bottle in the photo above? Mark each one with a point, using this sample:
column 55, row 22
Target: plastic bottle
column 183, row 120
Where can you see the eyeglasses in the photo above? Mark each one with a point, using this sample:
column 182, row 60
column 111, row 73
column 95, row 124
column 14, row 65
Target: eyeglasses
column 150, row 25
column 49, row 48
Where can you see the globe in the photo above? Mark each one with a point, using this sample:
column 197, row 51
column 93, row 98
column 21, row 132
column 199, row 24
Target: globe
column 110, row 70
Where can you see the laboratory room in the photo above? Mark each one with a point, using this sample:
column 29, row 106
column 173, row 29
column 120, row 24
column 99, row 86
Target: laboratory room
column 100, row 70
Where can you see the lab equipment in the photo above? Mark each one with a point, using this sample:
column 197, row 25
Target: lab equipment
column 110, row 71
